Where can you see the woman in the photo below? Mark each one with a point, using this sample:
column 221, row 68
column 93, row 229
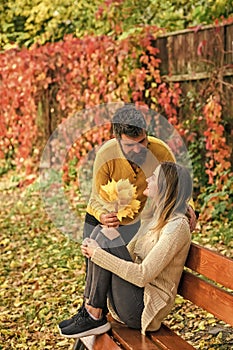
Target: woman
column 140, row 280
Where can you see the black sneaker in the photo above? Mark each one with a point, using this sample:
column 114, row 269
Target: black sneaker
column 85, row 325
column 69, row 321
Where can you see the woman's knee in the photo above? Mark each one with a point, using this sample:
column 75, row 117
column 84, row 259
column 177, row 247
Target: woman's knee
column 132, row 319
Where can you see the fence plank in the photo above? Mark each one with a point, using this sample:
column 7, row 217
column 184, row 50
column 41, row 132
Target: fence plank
column 195, row 52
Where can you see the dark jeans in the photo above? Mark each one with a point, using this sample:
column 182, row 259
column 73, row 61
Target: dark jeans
column 125, row 298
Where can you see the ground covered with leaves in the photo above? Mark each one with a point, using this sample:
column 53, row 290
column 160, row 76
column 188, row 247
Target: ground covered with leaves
column 42, row 279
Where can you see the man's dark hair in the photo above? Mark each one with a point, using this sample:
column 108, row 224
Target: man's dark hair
column 129, row 121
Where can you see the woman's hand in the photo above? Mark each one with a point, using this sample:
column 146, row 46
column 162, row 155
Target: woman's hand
column 88, row 246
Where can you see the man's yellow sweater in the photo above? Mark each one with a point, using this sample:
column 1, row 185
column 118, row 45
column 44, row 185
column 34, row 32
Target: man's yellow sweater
column 110, row 163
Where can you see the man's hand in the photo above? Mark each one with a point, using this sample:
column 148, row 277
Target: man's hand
column 88, row 246
column 109, row 220
column 193, row 219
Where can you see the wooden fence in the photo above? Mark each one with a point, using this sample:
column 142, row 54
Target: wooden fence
column 194, row 58
column 193, row 54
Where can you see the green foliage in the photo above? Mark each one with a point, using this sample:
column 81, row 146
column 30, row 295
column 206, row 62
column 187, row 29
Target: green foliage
column 219, row 202
column 24, row 22
column 193, row 124
column 207, row 11
column 196, row 152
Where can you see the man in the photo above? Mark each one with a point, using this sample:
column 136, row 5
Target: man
column 130, row 155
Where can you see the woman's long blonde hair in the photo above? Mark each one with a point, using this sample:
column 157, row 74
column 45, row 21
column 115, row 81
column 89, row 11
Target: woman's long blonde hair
column 174, row 190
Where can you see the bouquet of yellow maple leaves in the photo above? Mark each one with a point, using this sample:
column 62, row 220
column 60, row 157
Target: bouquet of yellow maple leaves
column 120, row 197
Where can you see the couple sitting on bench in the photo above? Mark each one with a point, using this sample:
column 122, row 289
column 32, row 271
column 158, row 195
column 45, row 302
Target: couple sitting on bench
column 135, row 266
column 139, row 280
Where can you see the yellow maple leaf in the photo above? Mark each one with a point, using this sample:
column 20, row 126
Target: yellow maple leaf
column 109, row 191
column 121, row 197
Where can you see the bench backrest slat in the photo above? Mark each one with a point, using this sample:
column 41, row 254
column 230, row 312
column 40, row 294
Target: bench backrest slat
column 208, row 296
column 211, row 264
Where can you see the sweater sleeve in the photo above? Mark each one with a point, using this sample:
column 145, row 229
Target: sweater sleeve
column 100, row 177
column 175, row 236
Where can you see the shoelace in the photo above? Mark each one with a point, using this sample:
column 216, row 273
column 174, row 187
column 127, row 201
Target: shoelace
column 77, row 315
column 81, row 314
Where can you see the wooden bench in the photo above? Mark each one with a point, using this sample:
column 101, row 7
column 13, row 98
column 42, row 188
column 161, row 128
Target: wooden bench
column 202, row 265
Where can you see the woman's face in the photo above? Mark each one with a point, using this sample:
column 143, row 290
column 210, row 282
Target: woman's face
column 151, row 189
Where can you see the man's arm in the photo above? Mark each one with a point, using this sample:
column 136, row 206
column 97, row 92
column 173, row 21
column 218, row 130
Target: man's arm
column 101, row 176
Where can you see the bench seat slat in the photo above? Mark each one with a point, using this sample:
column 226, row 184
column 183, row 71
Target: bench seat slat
column 95, row 342
column 132, row 339
column 211, row 264
column 169, row 340
column 208, row 296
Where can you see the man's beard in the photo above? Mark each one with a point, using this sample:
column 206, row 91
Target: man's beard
column 137, row 158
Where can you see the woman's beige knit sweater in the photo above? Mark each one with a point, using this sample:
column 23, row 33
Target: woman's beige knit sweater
column 158, row 262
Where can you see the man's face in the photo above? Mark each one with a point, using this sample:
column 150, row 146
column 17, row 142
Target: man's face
column 134, row 148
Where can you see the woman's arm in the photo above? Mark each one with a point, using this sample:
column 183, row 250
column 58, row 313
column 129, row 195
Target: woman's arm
column 175, row 236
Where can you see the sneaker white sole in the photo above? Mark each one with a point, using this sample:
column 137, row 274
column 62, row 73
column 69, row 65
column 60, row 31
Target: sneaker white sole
column 93, row 331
